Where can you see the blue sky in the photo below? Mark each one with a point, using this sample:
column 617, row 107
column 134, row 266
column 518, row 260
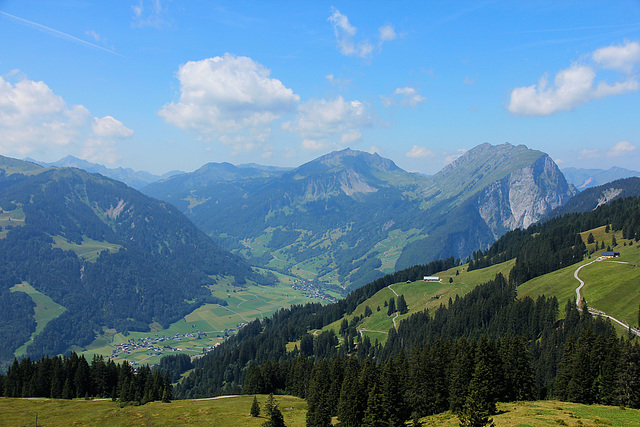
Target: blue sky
column 159, row 85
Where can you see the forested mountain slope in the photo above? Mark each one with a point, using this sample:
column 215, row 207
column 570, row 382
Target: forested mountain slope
column 593, row 197
column 487, row 346
column 108, row 255
column 348, row 217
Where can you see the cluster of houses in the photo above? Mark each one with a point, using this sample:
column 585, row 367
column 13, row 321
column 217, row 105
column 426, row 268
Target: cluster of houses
column 311, row 291
column 153, row 344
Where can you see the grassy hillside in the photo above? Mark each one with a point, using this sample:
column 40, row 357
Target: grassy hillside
column 419, row 295
column 214, row 322
column 609, row 285
column 549, row 413
column 234, row 412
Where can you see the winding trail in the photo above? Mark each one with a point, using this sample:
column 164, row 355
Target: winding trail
column 394, row 319
column 592, row 310
column 394, row 292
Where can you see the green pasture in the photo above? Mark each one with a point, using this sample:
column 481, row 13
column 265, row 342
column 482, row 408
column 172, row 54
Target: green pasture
column 234, row 411
column 45, row 311
column 245, row 304
column 89, row 250
column 610, row 285
column 419, row 295
column 12, row 218
column 222, row 412
column 549, row 413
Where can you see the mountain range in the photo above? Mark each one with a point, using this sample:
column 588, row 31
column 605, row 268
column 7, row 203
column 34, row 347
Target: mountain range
column 105, row 254
column 349, row 217
column 135, row 179
column 587, row 178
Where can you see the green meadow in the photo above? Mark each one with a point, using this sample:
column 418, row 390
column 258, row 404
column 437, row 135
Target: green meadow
column 234, row 412
column 45, row 311
column 245, row 304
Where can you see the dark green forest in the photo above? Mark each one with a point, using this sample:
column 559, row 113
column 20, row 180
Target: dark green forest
column 485, row 347
column 159, row 273
column 73, row 377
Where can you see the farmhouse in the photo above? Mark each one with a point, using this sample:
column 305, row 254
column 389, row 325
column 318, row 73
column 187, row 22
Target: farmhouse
column 609, row 254
column 431, row 279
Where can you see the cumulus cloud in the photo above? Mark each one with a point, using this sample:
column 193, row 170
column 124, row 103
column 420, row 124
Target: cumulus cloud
column 418, row 152
column 622, row 58
column 229, row 97
column 387, row 33
column 346, row 36
column 406, row 96
column 320, row 119
column 621, row 148
column 577, row 84
column 33, row 119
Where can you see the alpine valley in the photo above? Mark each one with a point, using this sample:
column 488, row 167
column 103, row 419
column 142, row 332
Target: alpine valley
column 350, row 217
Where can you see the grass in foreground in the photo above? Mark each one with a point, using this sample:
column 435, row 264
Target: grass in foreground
column 232, row 411
column 549, row 413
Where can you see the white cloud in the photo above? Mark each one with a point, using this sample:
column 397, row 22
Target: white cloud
column 451, row 157
column 621, row 58
column 313, row 145
column 34, row 120
column 387, row 33
column 346, row 36
column 621, row 148
column 571, row 87
column 418, row 152
column 319, row 119
column 229, row 97
column 406, row 96
column 589, row 154
column 108, row 127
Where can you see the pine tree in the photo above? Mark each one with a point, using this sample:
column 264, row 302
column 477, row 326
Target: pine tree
column 591, row 239
column 392, row 306
column 402, row 305
column 374, row 416
column 318, row 410
column 475, row 413
column 274, row 416
column 255, row 407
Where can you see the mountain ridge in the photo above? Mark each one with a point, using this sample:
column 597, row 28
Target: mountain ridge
column 349, row 216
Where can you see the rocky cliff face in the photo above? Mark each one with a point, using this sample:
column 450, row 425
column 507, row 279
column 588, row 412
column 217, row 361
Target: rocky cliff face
column 524, row 196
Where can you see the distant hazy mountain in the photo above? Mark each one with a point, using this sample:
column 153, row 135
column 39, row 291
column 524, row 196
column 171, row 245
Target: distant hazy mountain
column 593, row 197
column 348, row 217
column 587, row 178
column 109, row 255
column 181, row 185
column 135, row 179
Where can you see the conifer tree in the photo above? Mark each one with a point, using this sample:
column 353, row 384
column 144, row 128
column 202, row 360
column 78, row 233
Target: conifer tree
column 274, row 416
column 402, row 305
column 318, row 410
column 255, row 407
column 392, row 306
column 475, row 412
column 374, row 416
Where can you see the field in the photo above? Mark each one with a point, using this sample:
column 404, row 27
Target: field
column 231, row 411
column 12, row 218
column 234, row 412
column 419, row 295
column 89, row 250
column 549, row 413
column 610, row 285
column 203, row 328
column 45, row 311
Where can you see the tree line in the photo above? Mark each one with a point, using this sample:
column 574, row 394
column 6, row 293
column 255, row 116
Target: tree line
column 69, row 377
